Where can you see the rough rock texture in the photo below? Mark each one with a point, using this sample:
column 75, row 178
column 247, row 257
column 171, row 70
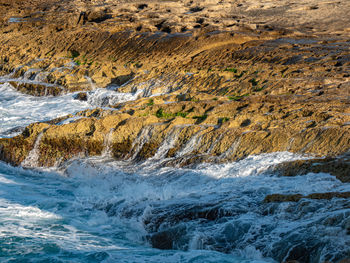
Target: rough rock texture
column 195, row 131
column 229, row 47
column 297, row 197
column 220, row 80
column 339, row 167
column 235, row 77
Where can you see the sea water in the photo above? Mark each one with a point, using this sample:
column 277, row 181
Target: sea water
column 101, row 210
column 18, row 110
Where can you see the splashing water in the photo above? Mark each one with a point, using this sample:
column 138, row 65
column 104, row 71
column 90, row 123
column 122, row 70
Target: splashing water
column 100, row 210
column 46, row 216
column 33, row 156
column 107, row 150
column 18, row 110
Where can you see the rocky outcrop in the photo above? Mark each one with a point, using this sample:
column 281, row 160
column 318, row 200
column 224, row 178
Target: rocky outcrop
column 339, row 167
column 231, row 85
column 211, row 51
column 191, row 131
column 36, row 89
column 297, row 197
column 213, row 81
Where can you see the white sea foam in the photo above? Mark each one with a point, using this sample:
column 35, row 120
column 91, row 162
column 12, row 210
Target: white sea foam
column 144, row 193
column 103, row 205
column 47, row 216
column 33, row 156
column 18, row 110
column 105, row 97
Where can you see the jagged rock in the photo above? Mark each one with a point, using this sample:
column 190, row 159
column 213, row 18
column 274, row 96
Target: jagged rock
column 97, row 16
column 339, row 167
column 166, row 239
column 296, row 197
column 282, row 198
column 197, row 133
column 121, row 80
column 14, row 151
column 239, row 88
column 37, row 89
column 81, row 96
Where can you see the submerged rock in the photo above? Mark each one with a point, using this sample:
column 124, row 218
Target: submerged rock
column 297, row 197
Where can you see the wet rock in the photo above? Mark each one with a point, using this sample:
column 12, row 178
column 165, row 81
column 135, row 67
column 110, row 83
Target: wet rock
column 339, row 167
column 167, row 219
column 147, row 127
column 236, row 88
column 302, row 250
column 121, row 80
column 82, row 96
column 18, row 129
column 298, row 253
column 282, row 198
column 296, row 197
column 15, row 150
column 168, row 239
column 35, row 89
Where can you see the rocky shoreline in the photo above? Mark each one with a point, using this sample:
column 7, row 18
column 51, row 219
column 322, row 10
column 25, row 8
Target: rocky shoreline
column 217, row 86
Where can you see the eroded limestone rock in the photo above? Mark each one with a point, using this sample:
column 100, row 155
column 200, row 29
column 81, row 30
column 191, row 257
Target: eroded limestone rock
column 196, row 131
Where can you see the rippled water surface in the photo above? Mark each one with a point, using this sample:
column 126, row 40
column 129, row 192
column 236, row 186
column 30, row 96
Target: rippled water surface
column 100, row 210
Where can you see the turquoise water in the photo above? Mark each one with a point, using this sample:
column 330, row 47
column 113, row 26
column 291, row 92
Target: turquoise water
column 100, row 210
column 47, row 217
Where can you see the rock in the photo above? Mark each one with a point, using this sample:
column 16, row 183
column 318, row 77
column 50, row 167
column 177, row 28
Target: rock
column 140, row 129
column 339, row 167
column 296, row 197
column 97, row 16
column 81, row 96
column 282, row 198
column 162, row 240
column 121, row 80
column 235, row 88
column 168, row 239
column 35, row 89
